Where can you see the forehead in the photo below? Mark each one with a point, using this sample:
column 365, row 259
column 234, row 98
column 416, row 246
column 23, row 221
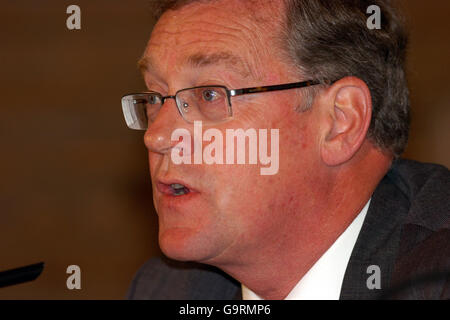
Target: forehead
column 220, row 32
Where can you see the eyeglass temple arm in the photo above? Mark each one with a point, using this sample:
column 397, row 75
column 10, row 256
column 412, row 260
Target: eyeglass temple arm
column 238, row 92
column 162, row 98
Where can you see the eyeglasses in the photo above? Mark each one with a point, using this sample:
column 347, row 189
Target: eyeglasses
column 209, row 104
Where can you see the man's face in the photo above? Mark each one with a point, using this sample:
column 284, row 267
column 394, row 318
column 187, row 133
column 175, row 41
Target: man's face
column 231, row 211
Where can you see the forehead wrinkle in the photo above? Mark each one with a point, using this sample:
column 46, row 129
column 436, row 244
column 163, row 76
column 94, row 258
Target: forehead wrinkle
column 209, row 33
column 217, row 34
column 198, row 60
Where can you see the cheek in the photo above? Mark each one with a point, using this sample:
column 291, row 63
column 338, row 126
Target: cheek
column 298, row 138
column 256, row 208
column 237, row 195
column 245, row 199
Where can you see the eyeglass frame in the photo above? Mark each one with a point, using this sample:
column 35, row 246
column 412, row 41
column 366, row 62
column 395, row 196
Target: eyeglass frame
column 237, row 92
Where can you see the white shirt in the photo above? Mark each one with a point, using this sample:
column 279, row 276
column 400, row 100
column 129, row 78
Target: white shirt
column 324, row 280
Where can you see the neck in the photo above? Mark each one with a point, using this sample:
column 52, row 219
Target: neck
column 279, row 261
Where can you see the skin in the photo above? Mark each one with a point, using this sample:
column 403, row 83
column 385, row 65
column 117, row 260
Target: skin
column 265, row 231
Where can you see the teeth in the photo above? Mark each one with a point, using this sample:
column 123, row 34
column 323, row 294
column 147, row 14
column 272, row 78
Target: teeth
column 179, row 189
column 179, row 192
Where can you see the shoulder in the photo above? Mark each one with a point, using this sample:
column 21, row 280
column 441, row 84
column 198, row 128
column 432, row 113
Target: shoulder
column 164, row 279
column 427, row 189
column 422, row 265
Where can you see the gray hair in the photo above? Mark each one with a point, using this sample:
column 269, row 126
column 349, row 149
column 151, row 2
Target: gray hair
column 329, row 40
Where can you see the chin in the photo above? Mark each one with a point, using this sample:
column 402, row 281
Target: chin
column 185, row 244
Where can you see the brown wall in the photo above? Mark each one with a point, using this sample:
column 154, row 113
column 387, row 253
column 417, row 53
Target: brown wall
column 75, row 187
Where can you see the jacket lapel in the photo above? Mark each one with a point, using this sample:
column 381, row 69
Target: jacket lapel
column 377, row 243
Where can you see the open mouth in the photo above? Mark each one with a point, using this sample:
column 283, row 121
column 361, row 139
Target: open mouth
column 178, row 189
column 173, row 189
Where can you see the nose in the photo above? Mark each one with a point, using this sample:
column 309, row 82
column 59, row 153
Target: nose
column 157, row 138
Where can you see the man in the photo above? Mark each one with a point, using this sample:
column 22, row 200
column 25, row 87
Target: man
column 341, row 217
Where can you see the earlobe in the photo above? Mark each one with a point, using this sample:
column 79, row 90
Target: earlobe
column 350, row 111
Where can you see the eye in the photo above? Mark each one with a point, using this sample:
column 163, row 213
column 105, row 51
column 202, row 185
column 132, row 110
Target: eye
column 153, row 99
column 210, row 95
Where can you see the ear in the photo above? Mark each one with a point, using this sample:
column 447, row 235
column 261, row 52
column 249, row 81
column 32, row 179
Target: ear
column 348, row 110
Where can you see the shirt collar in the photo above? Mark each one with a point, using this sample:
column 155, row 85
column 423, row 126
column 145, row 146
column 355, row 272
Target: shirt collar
column 324, row 280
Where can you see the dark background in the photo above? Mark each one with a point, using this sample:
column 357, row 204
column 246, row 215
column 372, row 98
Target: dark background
column 75, row 187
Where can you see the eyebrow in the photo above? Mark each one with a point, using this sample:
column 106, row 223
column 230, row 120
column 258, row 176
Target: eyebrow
column 144, row 64
column 230, row 60
column 199, row 60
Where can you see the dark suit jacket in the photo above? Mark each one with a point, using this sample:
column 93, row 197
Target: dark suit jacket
column 406, row 234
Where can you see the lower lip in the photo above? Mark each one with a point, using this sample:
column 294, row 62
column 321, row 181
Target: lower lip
column 170, row 200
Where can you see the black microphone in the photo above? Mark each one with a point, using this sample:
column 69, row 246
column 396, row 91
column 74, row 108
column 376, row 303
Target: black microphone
column 20, row 275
